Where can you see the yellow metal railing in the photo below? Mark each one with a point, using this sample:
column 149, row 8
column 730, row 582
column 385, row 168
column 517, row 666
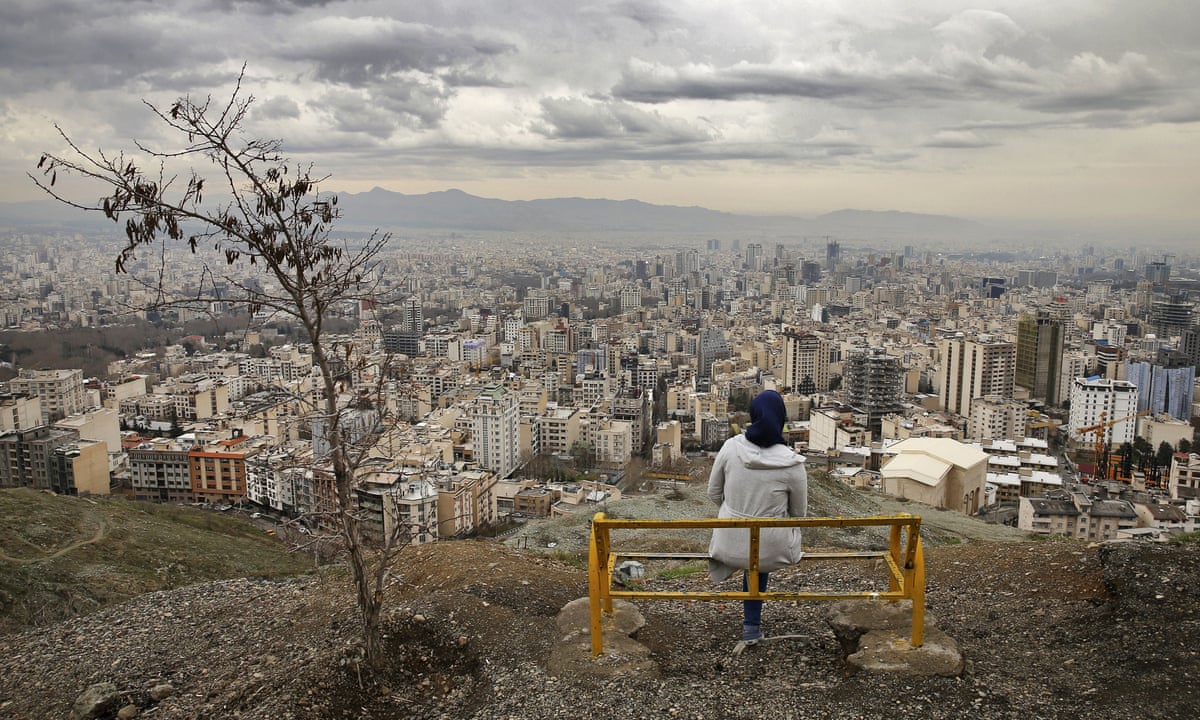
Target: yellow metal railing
column 905, row 563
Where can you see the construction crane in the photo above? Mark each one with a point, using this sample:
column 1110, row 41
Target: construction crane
column 1035, row 420
column 1103, row 440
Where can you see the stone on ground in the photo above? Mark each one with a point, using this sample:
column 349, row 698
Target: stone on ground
column 876, row 636
column 97, row 701
column 572, row 649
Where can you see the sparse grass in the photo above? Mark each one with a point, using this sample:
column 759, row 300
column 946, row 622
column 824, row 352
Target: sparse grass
column 569, row 557
column 1187, row 537
column 1042, row 537
column 224, row 523
column 682, row 571
column 70, row 555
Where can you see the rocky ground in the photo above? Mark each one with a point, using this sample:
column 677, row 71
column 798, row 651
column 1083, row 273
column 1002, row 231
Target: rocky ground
column 1048, row 629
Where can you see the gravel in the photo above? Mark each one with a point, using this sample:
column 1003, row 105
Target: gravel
column 1048, row 629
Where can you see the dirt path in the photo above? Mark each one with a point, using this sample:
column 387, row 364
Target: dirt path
column 101, row 533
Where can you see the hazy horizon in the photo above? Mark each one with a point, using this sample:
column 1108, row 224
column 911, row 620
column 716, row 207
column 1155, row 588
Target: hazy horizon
column 1079, row 113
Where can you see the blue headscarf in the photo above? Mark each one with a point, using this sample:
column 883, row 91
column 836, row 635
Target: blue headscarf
column 767, row 416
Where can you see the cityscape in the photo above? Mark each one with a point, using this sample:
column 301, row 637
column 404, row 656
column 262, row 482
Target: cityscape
column 498, row 381
column 335, row 337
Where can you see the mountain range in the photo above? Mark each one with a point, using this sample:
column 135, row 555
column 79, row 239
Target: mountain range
column 455, row 210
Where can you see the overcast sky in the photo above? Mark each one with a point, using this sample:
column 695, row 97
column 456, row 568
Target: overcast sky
column 1044, row 109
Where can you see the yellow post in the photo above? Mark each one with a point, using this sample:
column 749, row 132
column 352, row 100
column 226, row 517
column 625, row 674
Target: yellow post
column 894, row 549
column 594, row 588
column 915, row 579
column 604, row 552
column 752, row 579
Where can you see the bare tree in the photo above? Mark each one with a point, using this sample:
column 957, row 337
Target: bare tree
column 242, row 200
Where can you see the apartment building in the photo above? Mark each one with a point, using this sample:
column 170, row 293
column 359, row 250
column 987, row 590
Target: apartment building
column 60, row 392
column 1184, row 480
column 496, row 429
column 973, row 368
column 992, row 416
column 160, row 471
column 1040, row 339
column 79, row 468
column 19, row 411
column 218, row 470
column 805, row 362
column 1077, row 515
column 1096, row 401
column 25, row 455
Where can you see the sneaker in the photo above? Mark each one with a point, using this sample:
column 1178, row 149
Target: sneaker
column 751, row 634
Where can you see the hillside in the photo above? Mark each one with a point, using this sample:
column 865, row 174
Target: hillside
column 1047, row 628
column 62, row 556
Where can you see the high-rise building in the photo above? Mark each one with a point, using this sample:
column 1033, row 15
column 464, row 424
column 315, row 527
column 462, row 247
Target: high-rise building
column 631, row 298
column 1189, row 344
column 496, row 429
column 1040, row 341
column 1170, row 316
column 1163, row 389
column 874, row 384
column 632, row 404
column 412, row 319
column 833, row 253
column 1036, row 278
column 972, row 368
column 1158, row 272
column 710, row 347
column 1075, row 364
column 537, row 305
column 754, row 256
column 805, row 362
column 1095, row 401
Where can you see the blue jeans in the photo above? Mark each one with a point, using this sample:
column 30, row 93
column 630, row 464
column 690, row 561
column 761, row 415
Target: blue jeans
column 752, row 609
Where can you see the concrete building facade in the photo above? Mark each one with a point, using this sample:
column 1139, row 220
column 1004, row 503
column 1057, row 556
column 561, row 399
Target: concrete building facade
column 973, row 368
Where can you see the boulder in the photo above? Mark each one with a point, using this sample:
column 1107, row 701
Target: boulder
column 95, row 702
column 572, row 650
column 876, row 636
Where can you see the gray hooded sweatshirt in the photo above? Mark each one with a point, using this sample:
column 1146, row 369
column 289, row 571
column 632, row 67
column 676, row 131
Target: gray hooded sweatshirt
column 752, row 481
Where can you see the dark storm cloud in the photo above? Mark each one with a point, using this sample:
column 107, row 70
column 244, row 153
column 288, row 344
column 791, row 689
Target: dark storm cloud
column 101, row 46
column 1091, row 84
column 614, row 88
column 653, row 16
column 739, row 82
column 193, row 81
column 575, row 118
column 384, row 110
column 276, row 108
column 365, row 51
column 269, row 7
column 416, row 104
